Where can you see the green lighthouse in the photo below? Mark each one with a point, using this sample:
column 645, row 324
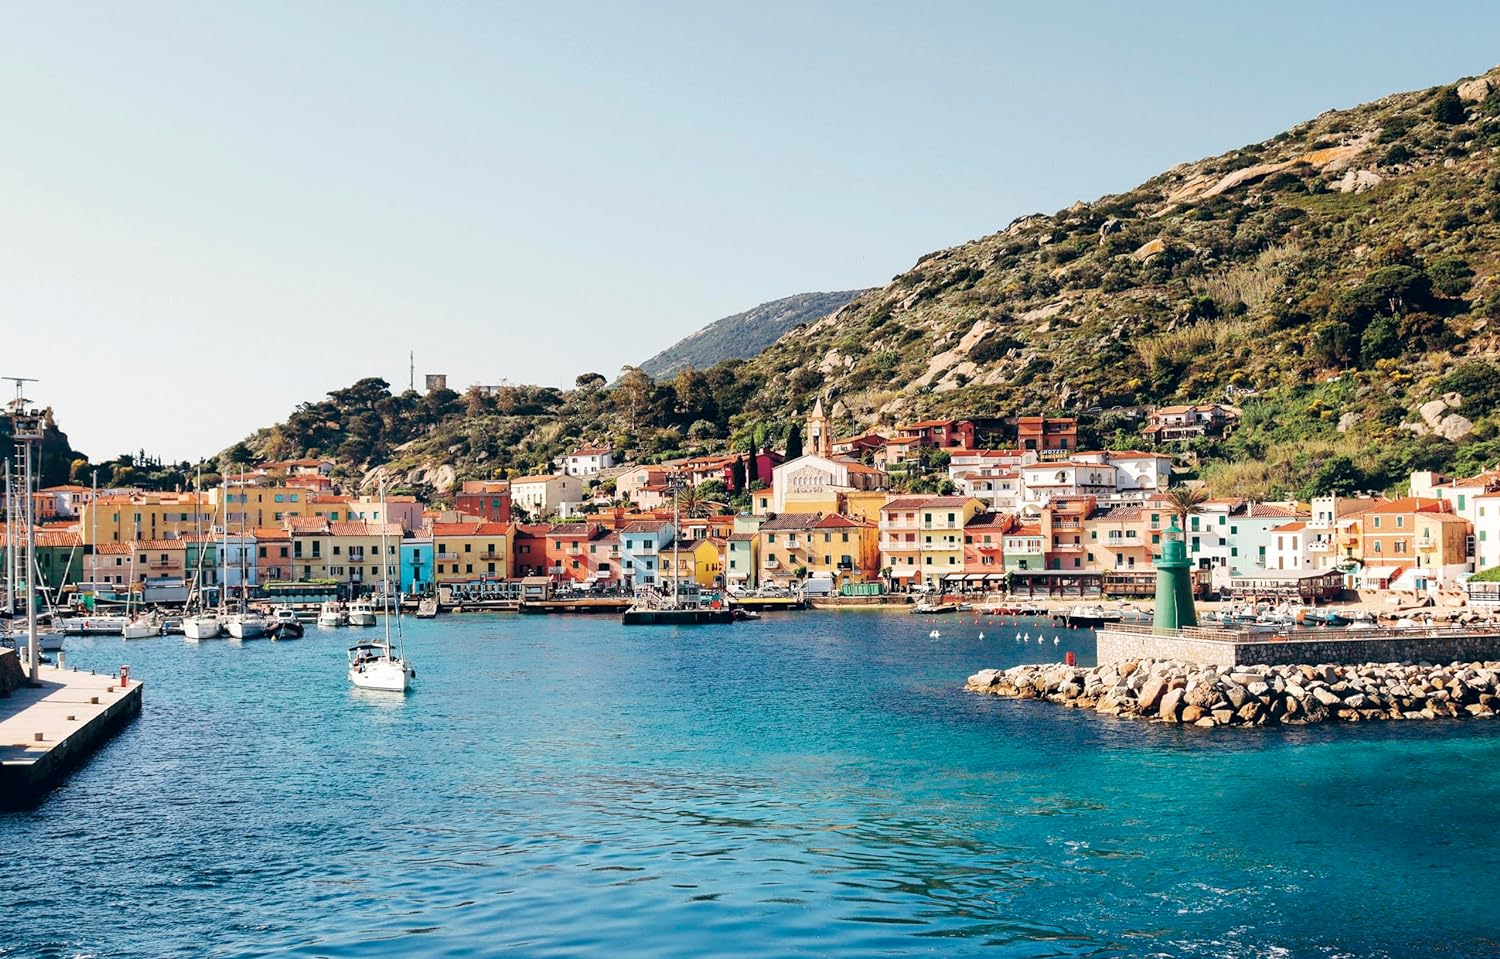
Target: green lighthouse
column 1174, row 584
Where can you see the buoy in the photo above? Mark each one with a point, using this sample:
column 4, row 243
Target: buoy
column 1018, row 637
column 1026, row 638
column 1055, row 640
column 981, row 634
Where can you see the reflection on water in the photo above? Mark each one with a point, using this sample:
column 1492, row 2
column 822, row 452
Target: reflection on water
column 813, row 784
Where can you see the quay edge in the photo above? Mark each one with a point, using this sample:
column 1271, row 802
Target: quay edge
column 74, row 713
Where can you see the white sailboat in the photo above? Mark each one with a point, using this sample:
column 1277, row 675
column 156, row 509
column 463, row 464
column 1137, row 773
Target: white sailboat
column 141, row 625
column 199, row 622
column 244, row 624
column 376, row 665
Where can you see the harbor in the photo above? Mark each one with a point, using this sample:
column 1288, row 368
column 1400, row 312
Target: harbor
column 718, row 776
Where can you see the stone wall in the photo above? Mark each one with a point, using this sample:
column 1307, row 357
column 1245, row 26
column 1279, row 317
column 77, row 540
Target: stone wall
column 1330, row 647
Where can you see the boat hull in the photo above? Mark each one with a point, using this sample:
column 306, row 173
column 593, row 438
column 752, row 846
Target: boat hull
column 140, row 630
column 676, row 617
column 246, row 629
column 361, row 619
column 198, row 628
column 384, row 675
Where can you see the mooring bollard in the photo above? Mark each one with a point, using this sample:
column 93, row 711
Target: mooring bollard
column 61, row 662
column 1071, row 658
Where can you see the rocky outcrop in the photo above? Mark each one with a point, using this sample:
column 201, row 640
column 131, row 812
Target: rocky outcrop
column 1186, row 693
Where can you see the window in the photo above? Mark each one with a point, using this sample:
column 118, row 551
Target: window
column 468, row 547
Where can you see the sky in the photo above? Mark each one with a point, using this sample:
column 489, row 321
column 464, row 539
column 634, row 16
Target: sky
column 211, row 212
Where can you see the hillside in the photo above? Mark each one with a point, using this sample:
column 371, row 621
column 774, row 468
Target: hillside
column 743, row 335
column 1357, row 251
column 1338, row 281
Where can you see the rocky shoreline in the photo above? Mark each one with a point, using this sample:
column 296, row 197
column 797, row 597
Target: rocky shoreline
column 1192, row 694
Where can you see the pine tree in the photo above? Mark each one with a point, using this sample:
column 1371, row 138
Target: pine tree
column 793, row 442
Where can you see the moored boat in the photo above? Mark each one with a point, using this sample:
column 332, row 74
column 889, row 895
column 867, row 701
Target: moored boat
column 331, row 614
column 246, row 625
column 361, row 613
column 202, row 626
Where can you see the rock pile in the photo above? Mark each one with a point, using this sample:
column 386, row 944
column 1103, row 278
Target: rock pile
column 1190, row 693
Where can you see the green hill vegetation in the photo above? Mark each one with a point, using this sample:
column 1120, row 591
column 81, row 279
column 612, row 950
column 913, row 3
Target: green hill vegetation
column 1338, row 282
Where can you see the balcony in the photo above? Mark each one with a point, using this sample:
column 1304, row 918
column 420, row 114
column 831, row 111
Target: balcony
column 1427, row 545
column 447, row 557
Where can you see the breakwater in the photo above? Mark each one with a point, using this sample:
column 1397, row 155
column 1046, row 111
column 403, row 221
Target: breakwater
column 1171, row 691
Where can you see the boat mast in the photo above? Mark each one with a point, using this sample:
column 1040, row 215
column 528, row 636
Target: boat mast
column 676, row 535
column 244, row 586
column 385, row 577
column 94, row 534
column 224, row 548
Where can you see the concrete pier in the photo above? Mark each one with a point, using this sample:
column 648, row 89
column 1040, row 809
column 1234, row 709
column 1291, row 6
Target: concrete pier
column 47, row 731
column 1238, row 647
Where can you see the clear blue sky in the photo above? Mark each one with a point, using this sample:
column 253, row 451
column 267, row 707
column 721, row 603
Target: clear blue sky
column 210, row 212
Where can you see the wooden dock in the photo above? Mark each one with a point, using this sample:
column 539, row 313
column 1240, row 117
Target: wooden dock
column 47, row 731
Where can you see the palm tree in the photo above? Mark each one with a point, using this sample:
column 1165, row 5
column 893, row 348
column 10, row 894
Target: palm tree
column 694, row 504
column 1184, row 501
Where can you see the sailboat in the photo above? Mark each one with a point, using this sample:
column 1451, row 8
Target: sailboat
column 375, row 665
column 199, row 622
column 244, row 624
column 142, row 625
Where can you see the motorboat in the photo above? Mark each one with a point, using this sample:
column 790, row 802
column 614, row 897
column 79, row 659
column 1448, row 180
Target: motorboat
column 427, row 608
column 1082, row 616
column 925, row 608
column 246, row 625
column 361, row 613
column 284, row 624
column 332, row 614
column 202, row 626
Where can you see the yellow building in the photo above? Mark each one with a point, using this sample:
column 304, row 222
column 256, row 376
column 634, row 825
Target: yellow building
column 144, row 516
column 470, row 552
column 354, row 551
column 796, row 546
column 250, row 506
column 310, row 548
column 699, row 560
column 942, row 520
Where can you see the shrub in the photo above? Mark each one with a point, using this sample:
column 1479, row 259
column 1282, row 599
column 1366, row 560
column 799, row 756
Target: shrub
column 1478, row 382
column 1450, row 275
column 1379, row 341
column 1398, row 153
column 1449, row 109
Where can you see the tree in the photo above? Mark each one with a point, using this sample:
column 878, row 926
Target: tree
column 1451, row 276
column 737, row 475
column 1380, row 341
column 1184, row 501
column 752, row 467
column 793, row 441
column 589, row 381
column 1449, row 109
column 1338, row 476
column 634, row 392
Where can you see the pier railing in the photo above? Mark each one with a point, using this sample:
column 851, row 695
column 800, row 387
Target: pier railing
column 1230, row 634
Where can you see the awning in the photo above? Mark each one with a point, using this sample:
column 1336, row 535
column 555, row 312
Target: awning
column 1379, row 574
column 904, row 573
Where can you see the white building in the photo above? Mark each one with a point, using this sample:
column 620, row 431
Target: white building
column 1289, row 548
column 817, row 476
column 545, row 495
column 588, row 461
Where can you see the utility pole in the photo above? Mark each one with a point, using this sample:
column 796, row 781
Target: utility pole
column 411, row 371
column 26, row 430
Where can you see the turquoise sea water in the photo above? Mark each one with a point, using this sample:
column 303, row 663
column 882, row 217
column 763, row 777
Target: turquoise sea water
column 814, row 784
